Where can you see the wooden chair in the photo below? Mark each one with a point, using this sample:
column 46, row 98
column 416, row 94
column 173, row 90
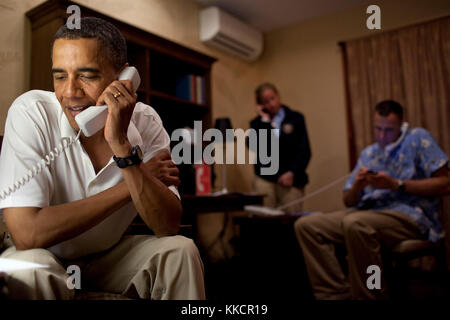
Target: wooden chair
column 399, row 257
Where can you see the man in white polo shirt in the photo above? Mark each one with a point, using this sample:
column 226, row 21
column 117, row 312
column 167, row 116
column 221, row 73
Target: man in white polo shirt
column 78, row 208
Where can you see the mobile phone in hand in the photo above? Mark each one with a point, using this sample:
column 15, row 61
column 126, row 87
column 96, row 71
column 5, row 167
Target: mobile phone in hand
column 263, row 110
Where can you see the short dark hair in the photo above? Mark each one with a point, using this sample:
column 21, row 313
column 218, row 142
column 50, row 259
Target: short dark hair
column 386, row 107
column 112, row 44
column 261, row 88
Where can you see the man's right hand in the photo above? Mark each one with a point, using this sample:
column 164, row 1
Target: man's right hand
column 264, row 115
column 162, row 167
column 351, row 196
column 361, row 178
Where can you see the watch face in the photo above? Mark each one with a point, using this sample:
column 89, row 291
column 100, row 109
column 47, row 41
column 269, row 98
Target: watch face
column 135, row 158
column 401, row 185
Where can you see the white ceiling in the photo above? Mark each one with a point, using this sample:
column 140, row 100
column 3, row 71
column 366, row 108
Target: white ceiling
column 268, row 15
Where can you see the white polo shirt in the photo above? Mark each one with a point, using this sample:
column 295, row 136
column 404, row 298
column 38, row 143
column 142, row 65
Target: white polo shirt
column 34, row 126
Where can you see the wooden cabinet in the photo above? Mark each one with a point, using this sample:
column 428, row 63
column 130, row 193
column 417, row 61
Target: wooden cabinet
column 161, row 64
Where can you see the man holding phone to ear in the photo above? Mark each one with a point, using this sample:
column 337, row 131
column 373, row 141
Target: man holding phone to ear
column 294, row 151
column 394, row 195
column 76, row 211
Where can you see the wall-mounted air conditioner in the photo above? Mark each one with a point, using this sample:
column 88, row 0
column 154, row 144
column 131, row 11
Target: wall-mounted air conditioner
column 222, row 31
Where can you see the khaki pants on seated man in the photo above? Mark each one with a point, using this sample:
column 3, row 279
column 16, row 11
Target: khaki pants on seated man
column 363, row 233
column 138, row 266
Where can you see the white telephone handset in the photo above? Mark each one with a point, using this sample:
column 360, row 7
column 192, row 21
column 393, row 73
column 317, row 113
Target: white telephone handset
column 93, row 118
column 90, row 121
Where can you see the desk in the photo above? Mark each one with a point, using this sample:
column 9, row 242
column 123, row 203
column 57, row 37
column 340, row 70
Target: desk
column 271, row 264
column 222, row 203
column 193, row 205
column 235, row 201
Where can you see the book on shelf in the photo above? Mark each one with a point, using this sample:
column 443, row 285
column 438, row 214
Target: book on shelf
column 191, row 87
column 200, row 83
column 183, row 87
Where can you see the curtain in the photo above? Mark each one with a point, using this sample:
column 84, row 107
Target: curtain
column 410, row 65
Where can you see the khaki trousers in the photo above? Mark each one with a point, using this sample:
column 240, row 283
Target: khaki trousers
column 277, row 195
column 363, row 233
column 138, row 266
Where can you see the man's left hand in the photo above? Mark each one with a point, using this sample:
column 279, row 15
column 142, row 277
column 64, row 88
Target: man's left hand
column 382, row 180
column 121, row 100
column 286, row 179
column 162, row 167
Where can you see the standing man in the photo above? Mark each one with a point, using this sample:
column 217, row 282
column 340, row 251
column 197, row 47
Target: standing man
column 77, row 210
column 394, row 194
column 289, row 182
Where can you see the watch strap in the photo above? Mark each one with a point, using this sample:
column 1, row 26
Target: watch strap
column 401, row 185
column 133, row 159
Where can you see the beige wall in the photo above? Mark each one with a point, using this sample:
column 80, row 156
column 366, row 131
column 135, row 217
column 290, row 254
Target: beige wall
column 14, row 68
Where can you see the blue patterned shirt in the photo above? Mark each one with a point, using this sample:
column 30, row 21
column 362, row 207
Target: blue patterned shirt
column 414, row 156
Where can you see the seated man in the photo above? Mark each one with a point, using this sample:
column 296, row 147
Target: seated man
column 395, row 187
column 77, row 210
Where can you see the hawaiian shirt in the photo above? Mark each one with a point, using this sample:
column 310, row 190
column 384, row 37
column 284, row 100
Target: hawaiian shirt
column 414, row 156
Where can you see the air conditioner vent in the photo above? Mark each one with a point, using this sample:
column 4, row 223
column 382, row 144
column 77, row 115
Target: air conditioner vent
column 225, row 32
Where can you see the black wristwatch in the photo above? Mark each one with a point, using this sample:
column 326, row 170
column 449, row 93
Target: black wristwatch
column 400, row 185
column 133, row 159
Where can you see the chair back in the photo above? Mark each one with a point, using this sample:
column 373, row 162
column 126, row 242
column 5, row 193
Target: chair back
column 445, row 219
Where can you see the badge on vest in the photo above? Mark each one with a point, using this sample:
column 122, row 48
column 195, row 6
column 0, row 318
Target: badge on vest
column 287, row 128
